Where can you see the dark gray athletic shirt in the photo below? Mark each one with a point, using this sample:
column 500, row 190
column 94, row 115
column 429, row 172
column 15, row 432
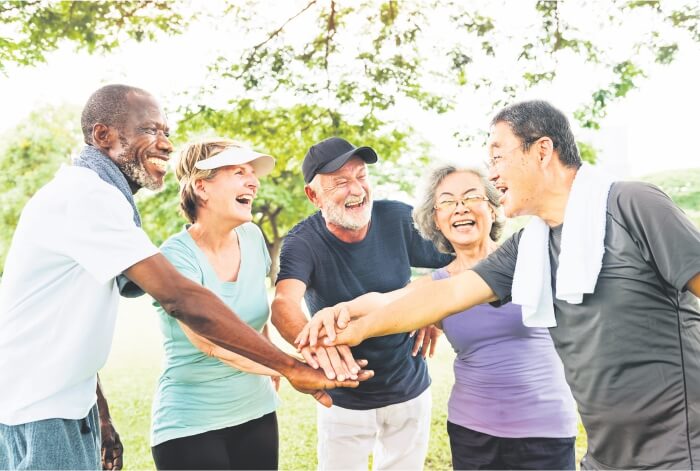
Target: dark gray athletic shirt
column 631, row 349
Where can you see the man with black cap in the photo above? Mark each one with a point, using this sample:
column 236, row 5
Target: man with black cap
column 350, row 247
column 59, row 294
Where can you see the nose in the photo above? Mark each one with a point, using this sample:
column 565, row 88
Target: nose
column 356, row 188
column 253, row 182
column 464, row 207
column 163, row 144
column 493, row 173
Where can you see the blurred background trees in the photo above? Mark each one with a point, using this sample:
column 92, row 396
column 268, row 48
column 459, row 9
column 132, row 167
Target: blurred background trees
column 292, row 73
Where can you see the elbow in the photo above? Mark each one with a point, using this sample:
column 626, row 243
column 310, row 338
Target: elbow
column 184, row 306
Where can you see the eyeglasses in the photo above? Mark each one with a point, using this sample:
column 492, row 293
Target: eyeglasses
column 494, row 159
column 468, row 201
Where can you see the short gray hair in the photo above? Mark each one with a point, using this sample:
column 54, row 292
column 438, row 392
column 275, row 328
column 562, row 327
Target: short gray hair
column 424, row 212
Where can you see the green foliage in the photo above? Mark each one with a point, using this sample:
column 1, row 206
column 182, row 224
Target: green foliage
column 683, row 186
column 285, row 133
column 37, row 27
column 29, row 156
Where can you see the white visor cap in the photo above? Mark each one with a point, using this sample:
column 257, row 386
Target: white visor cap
column 261, row 163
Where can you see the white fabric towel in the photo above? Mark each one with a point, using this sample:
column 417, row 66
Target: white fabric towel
column 580, row 258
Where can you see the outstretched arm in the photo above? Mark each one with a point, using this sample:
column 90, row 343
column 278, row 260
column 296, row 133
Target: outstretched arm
column 428, row 303
column 289, row 319
column 204, row 313
column 226, row 356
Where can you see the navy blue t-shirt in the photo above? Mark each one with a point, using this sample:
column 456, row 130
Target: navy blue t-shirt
column 336, row 271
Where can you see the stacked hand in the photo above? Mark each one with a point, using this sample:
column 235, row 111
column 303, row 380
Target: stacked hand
column 334, row 326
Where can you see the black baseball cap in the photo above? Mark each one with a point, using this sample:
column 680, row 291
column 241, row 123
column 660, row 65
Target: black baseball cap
column 330, row 154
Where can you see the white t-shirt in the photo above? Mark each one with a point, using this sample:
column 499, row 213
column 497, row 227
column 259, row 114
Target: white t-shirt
column 58, row 295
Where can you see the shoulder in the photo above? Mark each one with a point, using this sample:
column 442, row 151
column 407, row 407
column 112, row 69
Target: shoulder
column 179, row 243
column 392, row 212
column 308, row 227
column 634, row 197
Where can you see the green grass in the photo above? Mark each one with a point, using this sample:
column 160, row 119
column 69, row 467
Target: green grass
column 683, row 186
column 129, row 380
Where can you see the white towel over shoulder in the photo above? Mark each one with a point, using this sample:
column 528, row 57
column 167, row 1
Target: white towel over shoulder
column 580, row 258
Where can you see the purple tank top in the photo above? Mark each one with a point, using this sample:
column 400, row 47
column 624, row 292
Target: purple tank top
column 509, row 380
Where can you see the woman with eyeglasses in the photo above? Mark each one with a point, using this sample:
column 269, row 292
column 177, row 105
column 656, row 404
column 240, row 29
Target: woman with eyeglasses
column 510, row 406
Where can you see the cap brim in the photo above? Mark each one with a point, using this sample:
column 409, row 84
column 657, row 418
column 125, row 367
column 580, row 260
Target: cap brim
column 365, row 153
column 261, row 163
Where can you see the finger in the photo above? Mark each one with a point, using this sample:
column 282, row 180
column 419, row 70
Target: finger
column 323, row 398
column 364, row 375
column 346, row 355
column 325, row 363
column 362, row 363
column 418, row 343
column 302, row 337
column 433, row 341
column 309, row 358
column 413, row 332
column 341, row 372
column 343, row 317
column 329, row 325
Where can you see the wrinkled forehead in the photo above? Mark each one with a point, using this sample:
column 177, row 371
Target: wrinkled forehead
column 143, row 108
column 352, row 167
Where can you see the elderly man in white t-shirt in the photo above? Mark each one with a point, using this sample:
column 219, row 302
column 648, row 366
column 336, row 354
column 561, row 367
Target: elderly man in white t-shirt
column 76, row 239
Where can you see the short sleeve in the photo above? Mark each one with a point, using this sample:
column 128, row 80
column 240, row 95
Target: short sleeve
column 295, row 260
column 183, row 259
column 99, row 233
column 497, row 269
column 667, row 238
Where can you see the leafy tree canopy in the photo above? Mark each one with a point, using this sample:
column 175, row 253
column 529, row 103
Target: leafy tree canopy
column 29, row 29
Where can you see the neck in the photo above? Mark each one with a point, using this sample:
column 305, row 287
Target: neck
column 348, row 235
column 468, row 256
column 213, row 235
column 555, row 198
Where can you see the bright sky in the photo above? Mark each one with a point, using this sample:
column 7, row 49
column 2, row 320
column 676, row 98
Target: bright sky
column 649, row 131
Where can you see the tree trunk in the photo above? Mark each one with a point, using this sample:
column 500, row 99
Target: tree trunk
column 274, row 249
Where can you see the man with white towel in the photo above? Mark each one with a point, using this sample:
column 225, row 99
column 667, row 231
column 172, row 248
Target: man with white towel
column 613, row 268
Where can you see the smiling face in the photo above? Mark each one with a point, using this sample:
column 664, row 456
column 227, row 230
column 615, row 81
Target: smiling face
column 514, row 172
column 470, row 221
column 142, row 149
column 229, row 194
column 345, row 196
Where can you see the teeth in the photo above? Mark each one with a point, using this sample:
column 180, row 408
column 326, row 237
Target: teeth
column 463, row 223
column 245, row 199
column 349, row 204
column 159, row 163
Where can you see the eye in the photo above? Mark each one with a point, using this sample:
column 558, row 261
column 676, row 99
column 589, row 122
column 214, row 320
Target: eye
column 152, row 131
column 446, row 203
column 166, row 133
column 341, row 184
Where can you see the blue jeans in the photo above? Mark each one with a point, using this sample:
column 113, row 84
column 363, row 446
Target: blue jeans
column 52, row 444
column 476, row 450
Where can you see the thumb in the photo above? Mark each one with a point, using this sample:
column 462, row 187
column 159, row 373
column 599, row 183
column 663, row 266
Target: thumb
column 323, row 397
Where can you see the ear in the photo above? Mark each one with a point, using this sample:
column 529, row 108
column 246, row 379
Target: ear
column 545, row 150
column 200, row 190
column 104, row 137
column 311, row 194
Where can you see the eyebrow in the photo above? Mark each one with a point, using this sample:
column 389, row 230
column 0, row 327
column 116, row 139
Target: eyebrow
column 447, row 193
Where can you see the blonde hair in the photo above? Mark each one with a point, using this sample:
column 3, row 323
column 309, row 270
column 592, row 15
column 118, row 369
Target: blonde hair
column 187, row 174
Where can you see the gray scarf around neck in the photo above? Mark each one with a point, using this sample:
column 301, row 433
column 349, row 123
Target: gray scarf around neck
column 108, row 171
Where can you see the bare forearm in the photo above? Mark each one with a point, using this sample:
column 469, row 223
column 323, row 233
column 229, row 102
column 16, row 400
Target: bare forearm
column 369, row 302
column 226, row 356
column 427, row 304
column 102, row 406
column 225, row 330
column 288, row 319
column 694, row 285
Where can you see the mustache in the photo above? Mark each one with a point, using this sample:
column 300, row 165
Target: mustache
column 355, row 200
